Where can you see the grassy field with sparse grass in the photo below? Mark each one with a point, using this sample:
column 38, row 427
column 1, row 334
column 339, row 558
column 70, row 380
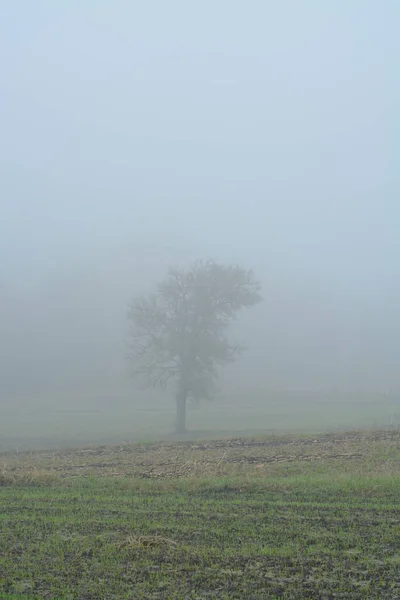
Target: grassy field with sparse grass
column 299, row 517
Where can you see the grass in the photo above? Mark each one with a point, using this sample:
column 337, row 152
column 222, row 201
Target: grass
column 305, row 517
column 73, row 420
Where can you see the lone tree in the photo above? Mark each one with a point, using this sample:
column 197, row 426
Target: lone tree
column 179, row 332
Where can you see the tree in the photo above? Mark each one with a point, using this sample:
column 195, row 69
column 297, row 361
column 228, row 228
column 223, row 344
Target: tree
column 180, row 331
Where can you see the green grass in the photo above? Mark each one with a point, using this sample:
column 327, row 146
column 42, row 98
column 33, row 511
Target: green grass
column 280, row 517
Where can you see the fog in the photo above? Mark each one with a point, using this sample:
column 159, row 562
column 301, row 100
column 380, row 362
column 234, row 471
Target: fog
column 135, row 136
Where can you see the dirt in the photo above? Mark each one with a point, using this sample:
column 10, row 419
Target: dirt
column 184, row 459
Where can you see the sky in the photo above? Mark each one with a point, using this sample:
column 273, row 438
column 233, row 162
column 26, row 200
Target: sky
column 261, row 132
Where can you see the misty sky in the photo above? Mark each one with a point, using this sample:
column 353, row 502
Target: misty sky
column 263, row 132
column 269, row 128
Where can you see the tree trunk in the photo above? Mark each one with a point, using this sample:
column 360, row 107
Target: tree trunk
column 181, row 411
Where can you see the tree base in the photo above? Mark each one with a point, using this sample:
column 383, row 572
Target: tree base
column 180, row 430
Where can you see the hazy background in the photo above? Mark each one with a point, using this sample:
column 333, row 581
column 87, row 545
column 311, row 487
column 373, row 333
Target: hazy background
column 139, row 135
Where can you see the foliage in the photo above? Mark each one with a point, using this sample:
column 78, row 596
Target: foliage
column 180, row 331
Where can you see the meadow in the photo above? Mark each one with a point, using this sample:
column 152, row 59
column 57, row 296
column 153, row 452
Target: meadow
column 108, row 418
column 294, row 516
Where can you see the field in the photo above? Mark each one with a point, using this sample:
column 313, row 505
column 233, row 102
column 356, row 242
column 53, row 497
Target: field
column 107, row 418
column 284, row 516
